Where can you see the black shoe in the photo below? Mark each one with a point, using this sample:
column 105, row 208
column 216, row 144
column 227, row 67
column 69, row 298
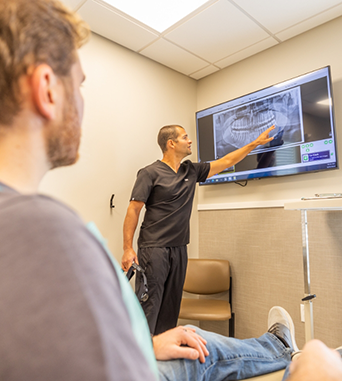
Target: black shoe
column 281, row 325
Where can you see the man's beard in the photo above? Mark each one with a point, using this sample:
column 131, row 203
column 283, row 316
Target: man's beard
column 63, row 139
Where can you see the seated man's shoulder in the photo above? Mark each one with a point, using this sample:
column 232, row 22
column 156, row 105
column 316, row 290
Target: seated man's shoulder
column 30, row 215
column 35, row 207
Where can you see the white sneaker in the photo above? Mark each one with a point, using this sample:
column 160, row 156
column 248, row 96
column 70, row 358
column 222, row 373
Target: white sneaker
column 281, row 325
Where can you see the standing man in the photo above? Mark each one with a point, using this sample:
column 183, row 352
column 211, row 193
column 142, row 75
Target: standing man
column 166, row 187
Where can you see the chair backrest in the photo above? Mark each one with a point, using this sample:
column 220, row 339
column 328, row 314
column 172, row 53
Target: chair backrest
column 207, row 276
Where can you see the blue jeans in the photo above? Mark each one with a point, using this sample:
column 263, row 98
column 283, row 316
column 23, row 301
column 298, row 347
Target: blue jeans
column 229, row 359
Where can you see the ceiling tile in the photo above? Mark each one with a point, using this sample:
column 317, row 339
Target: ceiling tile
column 279, row 15
column 174, row 57
column 103, row 20
column 217, row 32
column 310, row 23
column 245, row 53
column 204, row 72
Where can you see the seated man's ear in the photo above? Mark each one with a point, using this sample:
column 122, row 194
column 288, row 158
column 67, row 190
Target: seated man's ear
column 46, row 88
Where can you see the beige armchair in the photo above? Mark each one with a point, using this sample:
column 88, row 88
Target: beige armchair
column 207, row 277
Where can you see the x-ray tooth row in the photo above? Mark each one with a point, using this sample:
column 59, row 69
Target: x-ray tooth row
column 238, row 127
column 241, row 131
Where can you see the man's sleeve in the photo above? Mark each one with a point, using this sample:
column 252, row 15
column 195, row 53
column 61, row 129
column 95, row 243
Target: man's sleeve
column 142, row 187
column 202, row 170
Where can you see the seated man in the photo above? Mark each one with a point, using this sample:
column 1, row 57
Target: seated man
column 67, row 311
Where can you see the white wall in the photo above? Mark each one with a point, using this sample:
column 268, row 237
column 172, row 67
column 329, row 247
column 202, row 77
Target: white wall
column 127, row 99
column 309, row 51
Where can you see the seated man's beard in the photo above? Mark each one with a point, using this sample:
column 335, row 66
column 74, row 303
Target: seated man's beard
column 63, row 139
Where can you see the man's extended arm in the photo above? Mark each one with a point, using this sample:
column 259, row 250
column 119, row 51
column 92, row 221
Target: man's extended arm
column 236, row 156
column 130, row 224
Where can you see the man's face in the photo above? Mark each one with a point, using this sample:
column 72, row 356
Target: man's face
column 183, row 143
column 63, row 137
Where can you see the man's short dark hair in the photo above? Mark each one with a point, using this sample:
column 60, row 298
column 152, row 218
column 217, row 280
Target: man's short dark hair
column 166, row 133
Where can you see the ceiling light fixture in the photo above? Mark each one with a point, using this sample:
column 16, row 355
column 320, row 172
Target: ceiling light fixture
column 157, row 14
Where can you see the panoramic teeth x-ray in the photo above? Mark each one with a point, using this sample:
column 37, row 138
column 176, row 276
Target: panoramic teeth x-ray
column 237, row 127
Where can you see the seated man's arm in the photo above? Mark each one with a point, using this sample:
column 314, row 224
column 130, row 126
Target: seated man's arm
column 65, row 317
column 317, row 362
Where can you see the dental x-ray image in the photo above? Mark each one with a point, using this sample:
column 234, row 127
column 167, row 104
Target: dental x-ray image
column 237, row 127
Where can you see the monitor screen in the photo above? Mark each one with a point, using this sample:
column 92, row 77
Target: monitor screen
column 301, row 109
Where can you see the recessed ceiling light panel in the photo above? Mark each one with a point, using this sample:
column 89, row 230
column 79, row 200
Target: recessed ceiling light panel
column 157, row 14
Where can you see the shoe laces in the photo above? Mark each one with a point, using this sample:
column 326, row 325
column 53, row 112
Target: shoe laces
column 280, row 331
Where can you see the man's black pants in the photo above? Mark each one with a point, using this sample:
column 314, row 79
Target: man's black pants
column 165, row 269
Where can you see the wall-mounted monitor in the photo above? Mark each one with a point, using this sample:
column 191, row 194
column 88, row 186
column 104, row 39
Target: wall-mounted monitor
column 301, row 109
